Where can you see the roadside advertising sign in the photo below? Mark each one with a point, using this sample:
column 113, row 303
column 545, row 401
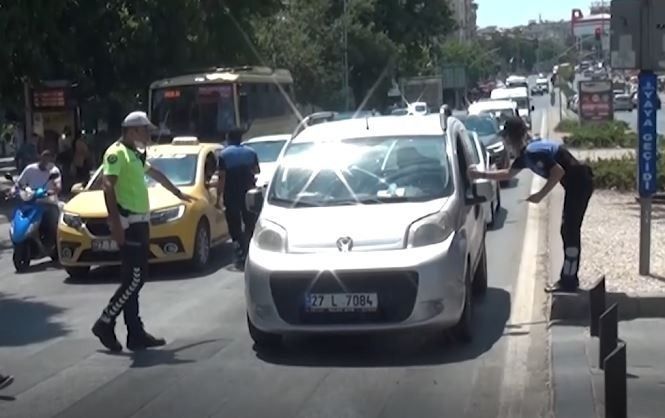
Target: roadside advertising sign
column 596, row 100
column 646, row 119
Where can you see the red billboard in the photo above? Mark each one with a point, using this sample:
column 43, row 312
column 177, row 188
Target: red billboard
column 596, row 100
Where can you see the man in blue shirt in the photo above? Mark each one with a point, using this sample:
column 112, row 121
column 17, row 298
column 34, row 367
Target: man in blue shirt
column 552, row 161
column 238, row 165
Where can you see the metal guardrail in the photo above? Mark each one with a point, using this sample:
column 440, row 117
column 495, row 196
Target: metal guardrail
column 604, row 323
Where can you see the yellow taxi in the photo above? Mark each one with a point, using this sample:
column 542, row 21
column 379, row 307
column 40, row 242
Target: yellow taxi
column 179, row 231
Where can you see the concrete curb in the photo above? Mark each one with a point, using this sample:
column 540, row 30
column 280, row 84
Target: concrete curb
column 575, row 307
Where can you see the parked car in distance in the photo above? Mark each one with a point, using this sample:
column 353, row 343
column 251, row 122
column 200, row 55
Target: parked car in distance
column 487, row 128
column 623, row 102
column 368, row 225
column 267, row 149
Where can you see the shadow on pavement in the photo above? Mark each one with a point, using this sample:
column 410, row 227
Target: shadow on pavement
column 165, row 356
column 499, row 219
column 24, row 321
column 220, row 257
column 408, row 349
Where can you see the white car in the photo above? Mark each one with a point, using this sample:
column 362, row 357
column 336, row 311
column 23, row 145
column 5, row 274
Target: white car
column 368, row 225
column 418, row 108
column 267, row 149
column 501, row 110
column 623, row 102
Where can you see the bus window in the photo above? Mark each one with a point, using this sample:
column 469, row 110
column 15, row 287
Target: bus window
column 206, row 111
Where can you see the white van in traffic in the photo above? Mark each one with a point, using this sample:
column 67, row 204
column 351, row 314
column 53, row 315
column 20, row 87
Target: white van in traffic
column 499, row 109
column 519, row 95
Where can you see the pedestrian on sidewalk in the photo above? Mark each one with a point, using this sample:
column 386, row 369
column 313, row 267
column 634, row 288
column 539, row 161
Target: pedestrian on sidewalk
column 552, row 161
column 126, row 197
column 237, row 168
column 5, row 380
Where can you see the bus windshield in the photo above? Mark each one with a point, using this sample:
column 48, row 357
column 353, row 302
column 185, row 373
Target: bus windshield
column 204, row 111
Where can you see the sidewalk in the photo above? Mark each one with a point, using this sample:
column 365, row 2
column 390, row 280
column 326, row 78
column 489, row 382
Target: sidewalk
column 609, row 247
column 579, row 384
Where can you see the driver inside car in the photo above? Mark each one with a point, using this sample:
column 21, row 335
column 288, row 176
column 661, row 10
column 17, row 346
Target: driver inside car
column 44, row 173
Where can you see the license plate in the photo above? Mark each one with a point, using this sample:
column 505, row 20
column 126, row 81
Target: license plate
column 104, row 245
column 342, row 302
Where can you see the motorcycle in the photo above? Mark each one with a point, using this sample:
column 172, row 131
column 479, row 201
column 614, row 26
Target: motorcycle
column 24, row 231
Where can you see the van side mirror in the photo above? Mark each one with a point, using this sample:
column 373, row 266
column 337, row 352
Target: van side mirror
column 482, row 192
column 9, row 177
column 254, row 200
column 77, row 188
column 533, row 108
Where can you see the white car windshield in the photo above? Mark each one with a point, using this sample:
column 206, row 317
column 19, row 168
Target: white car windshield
column 362, row 171
column 267, row 151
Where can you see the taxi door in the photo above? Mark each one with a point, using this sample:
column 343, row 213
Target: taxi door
column 218, row 229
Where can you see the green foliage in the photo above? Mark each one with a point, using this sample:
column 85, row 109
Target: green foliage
column 567, row 125
column 613, row 134
column 384, row 37
column 621, row 174
column 479, row 61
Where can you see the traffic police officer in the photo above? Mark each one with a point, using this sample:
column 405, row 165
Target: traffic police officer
column 237, row 168
column 126, row 197
column 554, row 162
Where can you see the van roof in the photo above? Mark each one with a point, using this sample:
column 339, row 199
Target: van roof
column 373, row 127
column 484, row 106
column 505, row 93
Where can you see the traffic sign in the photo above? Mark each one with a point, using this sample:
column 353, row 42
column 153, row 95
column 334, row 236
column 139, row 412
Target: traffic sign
column 646, row 119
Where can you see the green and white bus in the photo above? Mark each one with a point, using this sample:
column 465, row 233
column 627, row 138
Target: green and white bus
column 208, row 105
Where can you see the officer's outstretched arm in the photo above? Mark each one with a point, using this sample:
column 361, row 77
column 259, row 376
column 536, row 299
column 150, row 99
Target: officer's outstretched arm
column 160, row 178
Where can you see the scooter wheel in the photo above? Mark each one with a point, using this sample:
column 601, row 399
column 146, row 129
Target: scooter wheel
column 21, row 258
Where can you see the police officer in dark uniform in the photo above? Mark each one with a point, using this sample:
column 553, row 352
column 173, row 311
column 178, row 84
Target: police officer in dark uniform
column 237, row 170
column 555, row 163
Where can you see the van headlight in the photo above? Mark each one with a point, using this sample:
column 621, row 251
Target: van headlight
column 162, row 216
column 72, row 220
column 269, row 236
column 430, row 230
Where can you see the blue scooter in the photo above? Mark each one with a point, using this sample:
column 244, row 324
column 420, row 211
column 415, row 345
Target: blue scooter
column 24, row 231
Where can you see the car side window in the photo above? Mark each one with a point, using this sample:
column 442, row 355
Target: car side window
column 470, row 148
column 210, row 166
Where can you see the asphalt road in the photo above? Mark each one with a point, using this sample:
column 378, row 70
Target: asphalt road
column 210, row 369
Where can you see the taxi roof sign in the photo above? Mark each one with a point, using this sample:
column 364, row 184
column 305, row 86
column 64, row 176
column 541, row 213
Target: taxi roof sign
column 185, row 140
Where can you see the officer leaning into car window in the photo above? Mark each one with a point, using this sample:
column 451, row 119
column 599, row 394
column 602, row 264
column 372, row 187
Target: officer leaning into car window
column 554, row 162
column 237, row 170
column 126, row 197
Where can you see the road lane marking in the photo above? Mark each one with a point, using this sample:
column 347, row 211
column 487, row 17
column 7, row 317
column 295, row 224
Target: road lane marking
column 515, row 376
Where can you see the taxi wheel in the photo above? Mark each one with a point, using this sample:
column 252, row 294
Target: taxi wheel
column 201, row 246
column 78, row 273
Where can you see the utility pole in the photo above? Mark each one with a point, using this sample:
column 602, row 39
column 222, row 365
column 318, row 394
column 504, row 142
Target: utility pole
column 637, row 43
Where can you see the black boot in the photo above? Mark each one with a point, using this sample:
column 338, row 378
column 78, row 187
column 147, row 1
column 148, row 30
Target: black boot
column 106, row 334
column 142, row 340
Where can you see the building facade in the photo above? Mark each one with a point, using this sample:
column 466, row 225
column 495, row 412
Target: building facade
column 465, row 14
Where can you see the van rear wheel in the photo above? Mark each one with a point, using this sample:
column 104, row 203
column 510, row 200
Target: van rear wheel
column 78, row 273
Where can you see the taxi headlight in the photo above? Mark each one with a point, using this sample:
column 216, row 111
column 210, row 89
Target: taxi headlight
column 162, row 216
column 432, row 229
column 72, row 220
column 269, row 236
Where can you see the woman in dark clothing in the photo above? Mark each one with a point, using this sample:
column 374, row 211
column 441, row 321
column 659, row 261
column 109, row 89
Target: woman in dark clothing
column 552, row 161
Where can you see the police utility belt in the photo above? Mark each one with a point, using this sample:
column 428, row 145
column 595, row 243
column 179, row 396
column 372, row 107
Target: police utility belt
column 127, row 217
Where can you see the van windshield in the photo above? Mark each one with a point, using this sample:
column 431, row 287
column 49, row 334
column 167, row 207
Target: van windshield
column 362, row 171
